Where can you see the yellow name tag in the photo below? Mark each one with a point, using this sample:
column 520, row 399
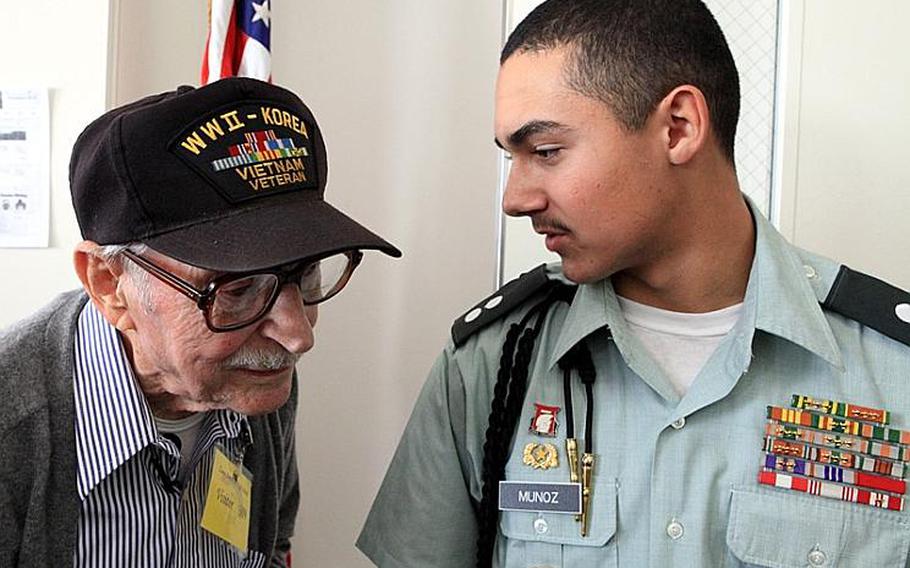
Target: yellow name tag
column 227, row 504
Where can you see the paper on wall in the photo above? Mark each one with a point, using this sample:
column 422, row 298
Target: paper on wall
column 24, row 167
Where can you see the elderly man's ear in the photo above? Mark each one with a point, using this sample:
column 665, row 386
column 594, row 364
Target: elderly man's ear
column 103, row 281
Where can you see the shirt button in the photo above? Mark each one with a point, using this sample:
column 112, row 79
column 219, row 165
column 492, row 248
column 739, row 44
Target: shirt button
column 675, row 530
column 811, row 273
column 817, row 557
column 678, row 423
column 541, row 526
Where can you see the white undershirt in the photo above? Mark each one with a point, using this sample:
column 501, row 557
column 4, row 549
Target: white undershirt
column 187, row 429
column 681, row 343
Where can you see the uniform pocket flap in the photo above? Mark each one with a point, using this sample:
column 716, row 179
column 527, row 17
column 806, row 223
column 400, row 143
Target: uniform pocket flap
column 560, row 528
column 783, row 530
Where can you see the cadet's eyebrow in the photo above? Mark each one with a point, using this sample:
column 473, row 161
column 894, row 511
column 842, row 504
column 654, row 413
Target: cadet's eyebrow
column 530, row 128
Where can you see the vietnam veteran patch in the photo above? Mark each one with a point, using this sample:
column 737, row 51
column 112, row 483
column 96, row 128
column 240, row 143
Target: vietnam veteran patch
column 250, row 150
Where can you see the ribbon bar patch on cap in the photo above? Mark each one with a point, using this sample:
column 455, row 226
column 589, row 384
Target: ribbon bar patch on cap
column 250, row 150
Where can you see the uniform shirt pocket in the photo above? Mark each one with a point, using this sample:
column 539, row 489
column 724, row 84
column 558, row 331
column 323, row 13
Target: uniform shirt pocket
column 784, row 529
column 542, row 539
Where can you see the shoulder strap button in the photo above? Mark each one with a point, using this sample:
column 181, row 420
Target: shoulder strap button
column 902, row 311
column 472, row 315
column 494, row 301
column 871, row 302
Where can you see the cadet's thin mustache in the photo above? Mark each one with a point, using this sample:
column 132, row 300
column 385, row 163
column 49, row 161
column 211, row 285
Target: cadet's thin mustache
column 548, row 225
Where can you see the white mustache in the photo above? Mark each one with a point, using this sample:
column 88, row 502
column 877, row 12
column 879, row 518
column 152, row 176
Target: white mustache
column 261, row 359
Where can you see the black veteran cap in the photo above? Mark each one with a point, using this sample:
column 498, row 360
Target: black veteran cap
column 229, row 177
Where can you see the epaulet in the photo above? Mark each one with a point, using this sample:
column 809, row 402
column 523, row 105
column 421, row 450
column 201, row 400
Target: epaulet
column 871, row 302
column 497, row 305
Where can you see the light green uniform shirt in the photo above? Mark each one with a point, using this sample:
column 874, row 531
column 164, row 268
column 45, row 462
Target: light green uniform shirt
column 675, row 480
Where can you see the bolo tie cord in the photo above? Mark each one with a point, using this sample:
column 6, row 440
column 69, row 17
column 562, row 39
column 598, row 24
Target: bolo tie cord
column 567, row 398
column 579, row 358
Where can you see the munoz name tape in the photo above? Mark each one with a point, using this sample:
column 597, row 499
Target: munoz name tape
column 556, row 497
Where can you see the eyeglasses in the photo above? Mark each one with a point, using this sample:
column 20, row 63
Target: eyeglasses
column 237, row 300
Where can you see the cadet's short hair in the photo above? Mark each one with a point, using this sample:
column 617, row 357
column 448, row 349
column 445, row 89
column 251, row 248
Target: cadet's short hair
column 630, row 54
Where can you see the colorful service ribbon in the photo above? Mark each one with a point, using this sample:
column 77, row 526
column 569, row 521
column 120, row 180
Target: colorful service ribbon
column 828, row 456
column 842, row 409
column 831, row 490
column 837, row 424
column 837, row 441
column 834, row 473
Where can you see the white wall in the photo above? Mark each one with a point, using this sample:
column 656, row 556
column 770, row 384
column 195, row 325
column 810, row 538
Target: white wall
column 155, row 46
column 847, row 191
column 61, row 46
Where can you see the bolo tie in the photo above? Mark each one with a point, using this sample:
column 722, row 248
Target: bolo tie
column 580, row 358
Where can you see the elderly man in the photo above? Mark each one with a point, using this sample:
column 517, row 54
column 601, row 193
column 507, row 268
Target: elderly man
column 148, row 419
column 686, row 388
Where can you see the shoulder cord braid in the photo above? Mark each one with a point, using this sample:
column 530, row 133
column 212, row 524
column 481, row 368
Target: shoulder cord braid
column 505, row 410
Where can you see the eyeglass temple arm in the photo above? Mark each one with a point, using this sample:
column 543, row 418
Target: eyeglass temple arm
column 174, row 282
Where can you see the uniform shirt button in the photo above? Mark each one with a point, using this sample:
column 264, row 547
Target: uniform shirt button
column 675, row 530
column 811, row 273
column 541, row 526
column 678, row 423
column 817, row 557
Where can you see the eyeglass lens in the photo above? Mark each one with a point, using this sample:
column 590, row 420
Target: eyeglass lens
column 246, row 298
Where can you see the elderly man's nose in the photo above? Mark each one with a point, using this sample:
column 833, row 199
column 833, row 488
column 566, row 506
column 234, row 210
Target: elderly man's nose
column 290, row 322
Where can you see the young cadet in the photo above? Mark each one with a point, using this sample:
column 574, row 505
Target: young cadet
column 686, row 388
column 147, row 419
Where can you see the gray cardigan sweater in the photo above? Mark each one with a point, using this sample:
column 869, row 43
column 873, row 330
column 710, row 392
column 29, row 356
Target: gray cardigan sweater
column 39, row 506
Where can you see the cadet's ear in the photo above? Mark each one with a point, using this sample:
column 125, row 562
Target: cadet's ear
column 102, row 281
column 686, row 124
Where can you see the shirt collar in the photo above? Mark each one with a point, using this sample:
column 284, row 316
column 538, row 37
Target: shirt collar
column 782, row 295
column 779, row 300
column 113, row 419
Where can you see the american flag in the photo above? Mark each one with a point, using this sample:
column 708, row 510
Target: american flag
column 239, row 40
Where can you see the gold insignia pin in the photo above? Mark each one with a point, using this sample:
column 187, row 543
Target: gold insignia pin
column 540, row 456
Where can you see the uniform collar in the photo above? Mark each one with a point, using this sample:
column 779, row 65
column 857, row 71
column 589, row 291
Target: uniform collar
column 113, row 419
column 779, row 300
column 781, row 291
column 594, row 307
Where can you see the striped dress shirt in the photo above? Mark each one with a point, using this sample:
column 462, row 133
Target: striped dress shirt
column 134, row 511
